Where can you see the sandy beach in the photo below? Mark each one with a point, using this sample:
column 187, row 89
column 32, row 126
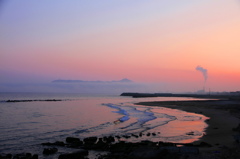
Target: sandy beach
column 223, row 118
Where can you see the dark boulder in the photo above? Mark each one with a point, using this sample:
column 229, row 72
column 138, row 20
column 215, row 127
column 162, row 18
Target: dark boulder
column 136, row 136
column 126, row 136
column 23, row 156
column 190, row 133
column 90, row 140
column 118, row 137
column 75, row 144
column 7, row 156
column 75, row 155
column 50, row 151
column 35, row 156
column 204, row 144
column 109, row 139
column 145, row 153
column 100, row 145
column 72, row 139
column 237, row 128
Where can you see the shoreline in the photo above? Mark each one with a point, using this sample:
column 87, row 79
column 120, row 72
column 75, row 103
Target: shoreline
column 224, row 117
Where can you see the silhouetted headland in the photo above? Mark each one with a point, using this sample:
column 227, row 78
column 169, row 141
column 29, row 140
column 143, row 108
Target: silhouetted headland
column 206, row 96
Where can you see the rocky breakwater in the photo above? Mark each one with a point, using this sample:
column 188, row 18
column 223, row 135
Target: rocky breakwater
column 115, row 147
column 112, row 147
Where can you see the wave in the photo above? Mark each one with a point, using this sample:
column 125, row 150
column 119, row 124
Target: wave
column 133, row 119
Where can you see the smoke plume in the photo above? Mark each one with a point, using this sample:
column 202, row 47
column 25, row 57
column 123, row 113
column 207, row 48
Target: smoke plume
column 203, row 71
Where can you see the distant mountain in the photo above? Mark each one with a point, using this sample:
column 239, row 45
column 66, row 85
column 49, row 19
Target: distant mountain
column 124, row 80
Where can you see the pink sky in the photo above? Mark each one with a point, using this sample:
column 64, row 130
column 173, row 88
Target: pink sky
column 145, row 41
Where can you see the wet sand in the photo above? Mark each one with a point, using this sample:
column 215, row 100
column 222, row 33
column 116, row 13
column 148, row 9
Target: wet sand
column 224, row 116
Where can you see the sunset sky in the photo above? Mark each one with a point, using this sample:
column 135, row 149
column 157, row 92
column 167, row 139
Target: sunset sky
column 143, row 40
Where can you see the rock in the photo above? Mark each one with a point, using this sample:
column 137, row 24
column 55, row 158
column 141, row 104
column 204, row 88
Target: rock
column 75, row 144
column 100, row 141
column 162, row 144
column 35, row 156
column 28, row 155
column 148, row 143
column 75, row 155
column 126, row 137
column 204, row 144
column 90, row 140
column 19, row 156
column 136, row 136
column 190, row 133
column 100, row 145
column 118, row 137
column 7, row 156
column 189, row 150
column 237, row 128
column 50, row 151
column 145, row 152
column 23, row 156
column 237, row 138
column 72, row 139
column 109, row 139
column 121, row 147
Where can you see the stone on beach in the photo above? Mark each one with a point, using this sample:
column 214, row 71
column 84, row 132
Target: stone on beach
column 90, row 140
column 24, row 156
column 72, row 139
column 74, row 155
column 108, row 139
column 50, row 151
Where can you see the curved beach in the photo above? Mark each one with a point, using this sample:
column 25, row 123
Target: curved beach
column 224, row 118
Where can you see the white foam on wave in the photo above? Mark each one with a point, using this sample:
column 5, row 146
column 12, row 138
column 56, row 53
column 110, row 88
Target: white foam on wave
column 120, row 111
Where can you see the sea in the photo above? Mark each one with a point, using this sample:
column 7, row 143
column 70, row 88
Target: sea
column 36, row 119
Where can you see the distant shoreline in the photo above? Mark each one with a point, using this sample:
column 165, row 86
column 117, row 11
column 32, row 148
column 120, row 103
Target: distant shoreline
column 207, row 96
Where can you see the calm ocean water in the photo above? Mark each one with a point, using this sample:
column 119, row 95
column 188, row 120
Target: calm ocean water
column 25, row 125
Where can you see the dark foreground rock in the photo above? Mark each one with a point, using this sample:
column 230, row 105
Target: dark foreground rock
column 6, row 156
column 72, row 139
column 74, row 155
column 19, row 156
column 115, row 149
column 90, row 140
column 50, row 151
